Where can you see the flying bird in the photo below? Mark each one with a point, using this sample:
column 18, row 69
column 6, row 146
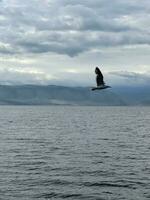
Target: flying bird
column 99, row 80
column 99, row 77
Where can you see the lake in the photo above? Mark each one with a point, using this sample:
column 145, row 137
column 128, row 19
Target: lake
column 71, row 152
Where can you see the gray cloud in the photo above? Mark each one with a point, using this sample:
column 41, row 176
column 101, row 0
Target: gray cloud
column 72, row 27
column 17, row 76
column 133, row 77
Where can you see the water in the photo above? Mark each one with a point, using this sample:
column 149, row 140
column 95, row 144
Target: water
column 92, row 153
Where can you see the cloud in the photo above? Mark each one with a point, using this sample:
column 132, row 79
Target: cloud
column 19, row 76
column 57, row 37
column 23, row 76
column 132, row 77
column 72, row 27
column 19, row 60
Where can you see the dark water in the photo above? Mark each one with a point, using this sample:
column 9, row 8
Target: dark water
column 92, row 153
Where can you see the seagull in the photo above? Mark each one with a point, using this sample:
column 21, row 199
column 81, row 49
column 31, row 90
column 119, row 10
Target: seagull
column 99, row 80
column 99, row 77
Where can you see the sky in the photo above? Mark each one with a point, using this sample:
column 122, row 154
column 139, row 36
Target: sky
column 62, row 41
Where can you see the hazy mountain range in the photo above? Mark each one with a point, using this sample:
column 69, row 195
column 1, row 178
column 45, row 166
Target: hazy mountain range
column 60, row 95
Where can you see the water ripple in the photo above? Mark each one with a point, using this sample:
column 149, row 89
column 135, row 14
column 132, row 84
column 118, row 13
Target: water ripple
column 75, row 153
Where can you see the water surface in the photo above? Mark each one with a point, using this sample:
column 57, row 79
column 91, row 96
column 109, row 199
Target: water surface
column 92, row 153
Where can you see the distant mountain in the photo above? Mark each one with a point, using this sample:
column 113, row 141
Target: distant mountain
column 135, row 95
column 60, row 95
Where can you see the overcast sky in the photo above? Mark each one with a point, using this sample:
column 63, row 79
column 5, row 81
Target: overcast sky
column 61, row 41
